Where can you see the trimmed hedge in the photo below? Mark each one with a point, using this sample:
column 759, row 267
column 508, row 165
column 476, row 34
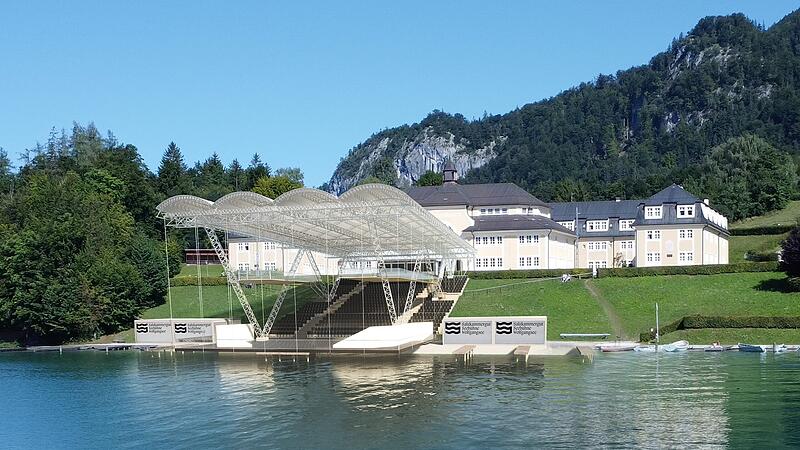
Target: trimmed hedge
column 771, row 266
column 793, row 283
column 192, row 281
column 741, row 322
column 757, row 231
column 694, row 322
column 509, row 274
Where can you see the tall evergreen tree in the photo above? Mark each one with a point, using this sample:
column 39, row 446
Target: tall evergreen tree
column 173, row 178
column 238, row 176
column 256, row 170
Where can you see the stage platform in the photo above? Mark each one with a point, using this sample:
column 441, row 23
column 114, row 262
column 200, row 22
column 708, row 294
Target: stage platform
column 385, row 339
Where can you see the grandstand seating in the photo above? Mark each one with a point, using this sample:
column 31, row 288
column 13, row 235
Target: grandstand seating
column 366, row 309
column 432, row 311
column 454, row 284
column 290, row 323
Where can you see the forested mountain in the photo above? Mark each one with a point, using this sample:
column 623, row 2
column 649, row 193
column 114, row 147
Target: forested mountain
column 82, row 252
column 728, row 82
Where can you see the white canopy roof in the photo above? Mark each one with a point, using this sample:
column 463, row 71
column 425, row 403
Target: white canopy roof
column 366, row 221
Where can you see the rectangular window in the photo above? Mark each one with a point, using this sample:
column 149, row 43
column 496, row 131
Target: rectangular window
column 597, row 225
column 685, row 211
column 686, row 234
column 492, row 262
column 653, row 235
column 626, row 245
column 505, row 210
column 483, row 211
column 686, row 256
column 652, row 212
column 626, row 224
column 570, row 225
column 491, row 240
column 499, row 262
column 522, row 262
column 654, row 257
column 535, row 261
column 499, row 239
column 521, row 239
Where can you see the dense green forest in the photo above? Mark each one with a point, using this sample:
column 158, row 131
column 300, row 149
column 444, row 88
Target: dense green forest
column 727, row 86
column 82, row 252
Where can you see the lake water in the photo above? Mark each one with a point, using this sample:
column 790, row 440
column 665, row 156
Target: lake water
column 165, row 400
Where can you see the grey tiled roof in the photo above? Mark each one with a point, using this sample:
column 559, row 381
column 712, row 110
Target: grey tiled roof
column 672, row 194
column 513, row 222
column 623, row 209
column 453, row 194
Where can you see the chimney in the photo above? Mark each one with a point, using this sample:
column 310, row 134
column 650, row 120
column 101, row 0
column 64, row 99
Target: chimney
column 617, row 199
column 705, row 200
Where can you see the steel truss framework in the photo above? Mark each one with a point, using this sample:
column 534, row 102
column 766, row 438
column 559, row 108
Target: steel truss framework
column 369, row 222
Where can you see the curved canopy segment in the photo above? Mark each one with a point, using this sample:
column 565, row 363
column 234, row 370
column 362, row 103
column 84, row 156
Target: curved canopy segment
column 367, row 221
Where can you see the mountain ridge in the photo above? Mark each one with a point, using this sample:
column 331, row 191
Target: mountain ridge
column 622, row 135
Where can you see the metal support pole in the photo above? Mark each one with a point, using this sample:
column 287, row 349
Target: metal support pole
column 233, row 282
column 273, row 314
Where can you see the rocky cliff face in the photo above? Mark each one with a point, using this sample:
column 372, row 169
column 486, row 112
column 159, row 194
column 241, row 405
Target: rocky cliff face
column 413, row 156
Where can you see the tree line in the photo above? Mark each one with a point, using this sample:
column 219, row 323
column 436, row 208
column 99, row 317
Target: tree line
column 82, row 252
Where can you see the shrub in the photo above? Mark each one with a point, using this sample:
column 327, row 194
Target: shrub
column 690, row 270
column 761, row 256
column 205, row 281
column 793, row 283
column 790, row 252
column 540, row 273
column 693, row 322
column 758, row 231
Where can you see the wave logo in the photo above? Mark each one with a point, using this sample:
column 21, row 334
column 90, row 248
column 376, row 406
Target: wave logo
column 181, row 328
column 142, row 328
column 503, row 328
column 452, row 328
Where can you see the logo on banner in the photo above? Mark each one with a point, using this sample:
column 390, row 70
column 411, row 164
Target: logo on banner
column 452, row 328
column 503, row 327
column 181, row 328
column 141, row 328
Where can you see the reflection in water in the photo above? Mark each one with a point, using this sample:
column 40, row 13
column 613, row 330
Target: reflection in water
column 183, row 400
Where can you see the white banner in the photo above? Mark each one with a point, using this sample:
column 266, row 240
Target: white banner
column 495, row 330
column 166, row 331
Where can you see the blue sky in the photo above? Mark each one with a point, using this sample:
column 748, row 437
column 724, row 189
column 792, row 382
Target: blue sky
column 303, row 82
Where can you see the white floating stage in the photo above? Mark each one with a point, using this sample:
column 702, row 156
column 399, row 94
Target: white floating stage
column 392, row 338
column 378, row 339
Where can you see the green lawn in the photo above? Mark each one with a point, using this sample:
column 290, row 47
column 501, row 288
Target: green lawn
column 735, row 336
column 569, row 306
column 206, row 270
column 785, row 216
column 217, row 303
column 740, row 245
column 737, row 294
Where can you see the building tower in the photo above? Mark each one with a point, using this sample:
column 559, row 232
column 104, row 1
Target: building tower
column 450, row 174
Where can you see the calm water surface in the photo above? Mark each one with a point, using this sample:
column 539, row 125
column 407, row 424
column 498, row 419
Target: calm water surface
column 158, row 400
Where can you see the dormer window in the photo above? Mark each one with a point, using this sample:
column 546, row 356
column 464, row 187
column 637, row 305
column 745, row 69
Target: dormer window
column 626, row 225
column 685, row 211
column 597, row 225
column 652, row 212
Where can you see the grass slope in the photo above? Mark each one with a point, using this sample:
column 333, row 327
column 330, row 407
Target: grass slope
column 785, row 216
column 569, row 306
column 739, row 294
column 738, row 246
column 217, row 303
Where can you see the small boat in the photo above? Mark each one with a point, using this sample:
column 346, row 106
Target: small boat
column 780, row 348
column 645, row 348
column 616, row 348
column 751, row 348
column 677, row 346
column 715, row 347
